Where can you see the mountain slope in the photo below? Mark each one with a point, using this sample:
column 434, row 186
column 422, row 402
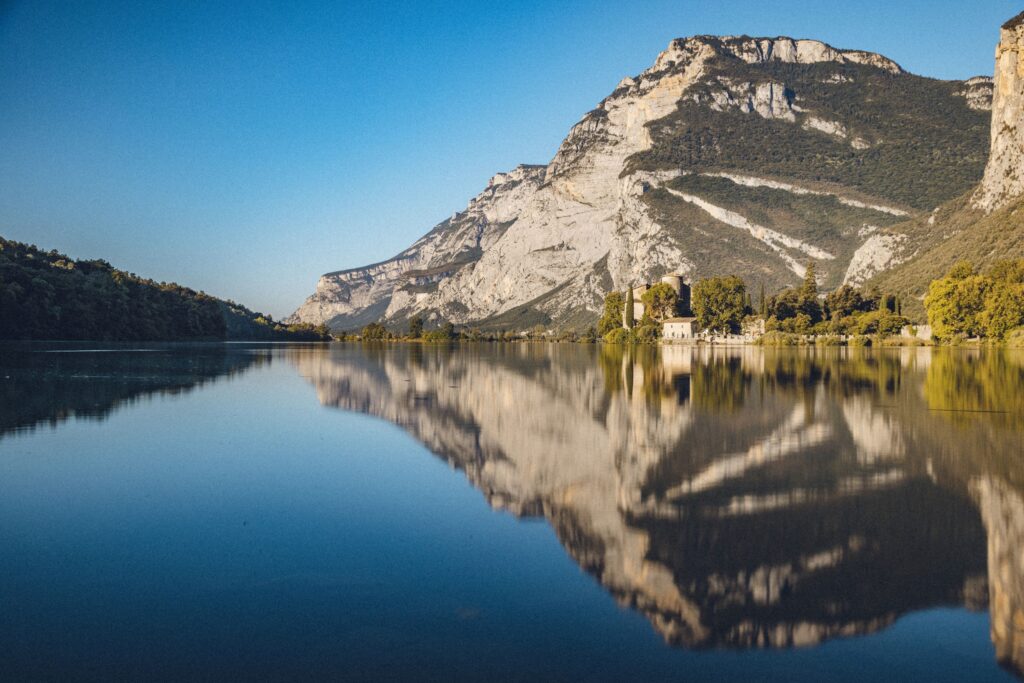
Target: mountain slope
column 736, row 154
column 987, row 223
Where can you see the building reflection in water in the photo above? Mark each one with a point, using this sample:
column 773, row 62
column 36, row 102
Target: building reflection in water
column 736, row 497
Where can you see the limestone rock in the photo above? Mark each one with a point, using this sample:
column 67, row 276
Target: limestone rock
column 1004, row 174
column 978, row 92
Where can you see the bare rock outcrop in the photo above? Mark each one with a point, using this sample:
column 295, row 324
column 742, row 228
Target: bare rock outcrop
column 1004, row 174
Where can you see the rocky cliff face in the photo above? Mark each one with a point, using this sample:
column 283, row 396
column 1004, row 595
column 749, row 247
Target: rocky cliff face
column 1004, row 174
column 987, row 223
column 734, row 154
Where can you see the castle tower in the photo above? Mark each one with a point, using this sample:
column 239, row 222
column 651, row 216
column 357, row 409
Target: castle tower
column 682, row 290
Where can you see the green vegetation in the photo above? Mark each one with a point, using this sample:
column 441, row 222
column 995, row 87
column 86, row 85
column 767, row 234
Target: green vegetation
column 648, row 331
column 659, row 301
column 611, row 319
column 644, row 333
column 446, row 332
column 972, row 236
column 375, row 332
column 720, row 303
column 416, row 327
column 47, row 295
column 847, row 311
column 966, row 304
column 796, row 310
column 925, row 145
column 820, row 220
column 714, row 247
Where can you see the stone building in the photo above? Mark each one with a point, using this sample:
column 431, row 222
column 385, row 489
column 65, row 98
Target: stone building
column 676, row 282
column 680, row 328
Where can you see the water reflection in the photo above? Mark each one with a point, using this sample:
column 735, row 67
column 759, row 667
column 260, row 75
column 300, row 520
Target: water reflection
column 50, row 383
column 737, row 498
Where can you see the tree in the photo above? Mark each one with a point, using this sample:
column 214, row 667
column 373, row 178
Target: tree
column 647, row 333
column 374, row 332
column 762, row 305
column 807, row 295
column 785, row 304
column 446, row 332
column 611, row 318
column 843, row 302
column 659, row 301
column 719, row 302
column 619, row 335
column 416, row 327
column 954, row 302
column 629, row 313
column 1004, row 309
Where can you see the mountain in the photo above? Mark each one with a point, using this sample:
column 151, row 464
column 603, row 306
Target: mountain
column 987, row 223
column 48, row 295
column 728, row 155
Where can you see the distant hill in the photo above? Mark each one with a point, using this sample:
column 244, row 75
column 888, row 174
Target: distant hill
column 47, row 295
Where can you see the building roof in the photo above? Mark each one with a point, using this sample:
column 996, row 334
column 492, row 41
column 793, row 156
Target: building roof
column 680, row 320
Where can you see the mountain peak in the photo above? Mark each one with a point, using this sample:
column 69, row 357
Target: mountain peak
column 1015, row 22
column 761, row 50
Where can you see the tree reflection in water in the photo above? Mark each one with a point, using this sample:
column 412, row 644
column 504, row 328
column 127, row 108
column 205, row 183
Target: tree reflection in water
column 46, row 384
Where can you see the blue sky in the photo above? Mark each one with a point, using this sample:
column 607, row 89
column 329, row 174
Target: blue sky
column 246, row 148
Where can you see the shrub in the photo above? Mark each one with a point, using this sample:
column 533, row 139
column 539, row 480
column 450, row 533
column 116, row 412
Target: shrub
column 779, row 338
column 619, row 335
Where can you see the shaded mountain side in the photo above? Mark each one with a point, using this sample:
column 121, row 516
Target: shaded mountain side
column 728, row 155
column 48, row 295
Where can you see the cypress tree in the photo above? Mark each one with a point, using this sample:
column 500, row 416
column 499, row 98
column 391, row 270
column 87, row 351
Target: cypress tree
column 628, row 309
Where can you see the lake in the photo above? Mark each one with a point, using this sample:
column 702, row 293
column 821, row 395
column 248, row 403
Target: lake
column 510, row 512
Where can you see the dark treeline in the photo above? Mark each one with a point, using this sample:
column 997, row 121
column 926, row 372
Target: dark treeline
column 47, row 295
column 448, row 332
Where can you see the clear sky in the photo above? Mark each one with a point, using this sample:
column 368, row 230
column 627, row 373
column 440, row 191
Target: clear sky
column 246, row 148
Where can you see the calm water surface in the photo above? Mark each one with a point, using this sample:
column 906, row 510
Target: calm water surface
column 520, row 512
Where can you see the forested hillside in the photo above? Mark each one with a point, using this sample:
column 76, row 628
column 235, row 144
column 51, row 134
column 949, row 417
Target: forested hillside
column 47, row 295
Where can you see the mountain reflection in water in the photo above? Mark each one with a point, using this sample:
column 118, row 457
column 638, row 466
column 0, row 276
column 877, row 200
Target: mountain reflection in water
column 737, row 498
